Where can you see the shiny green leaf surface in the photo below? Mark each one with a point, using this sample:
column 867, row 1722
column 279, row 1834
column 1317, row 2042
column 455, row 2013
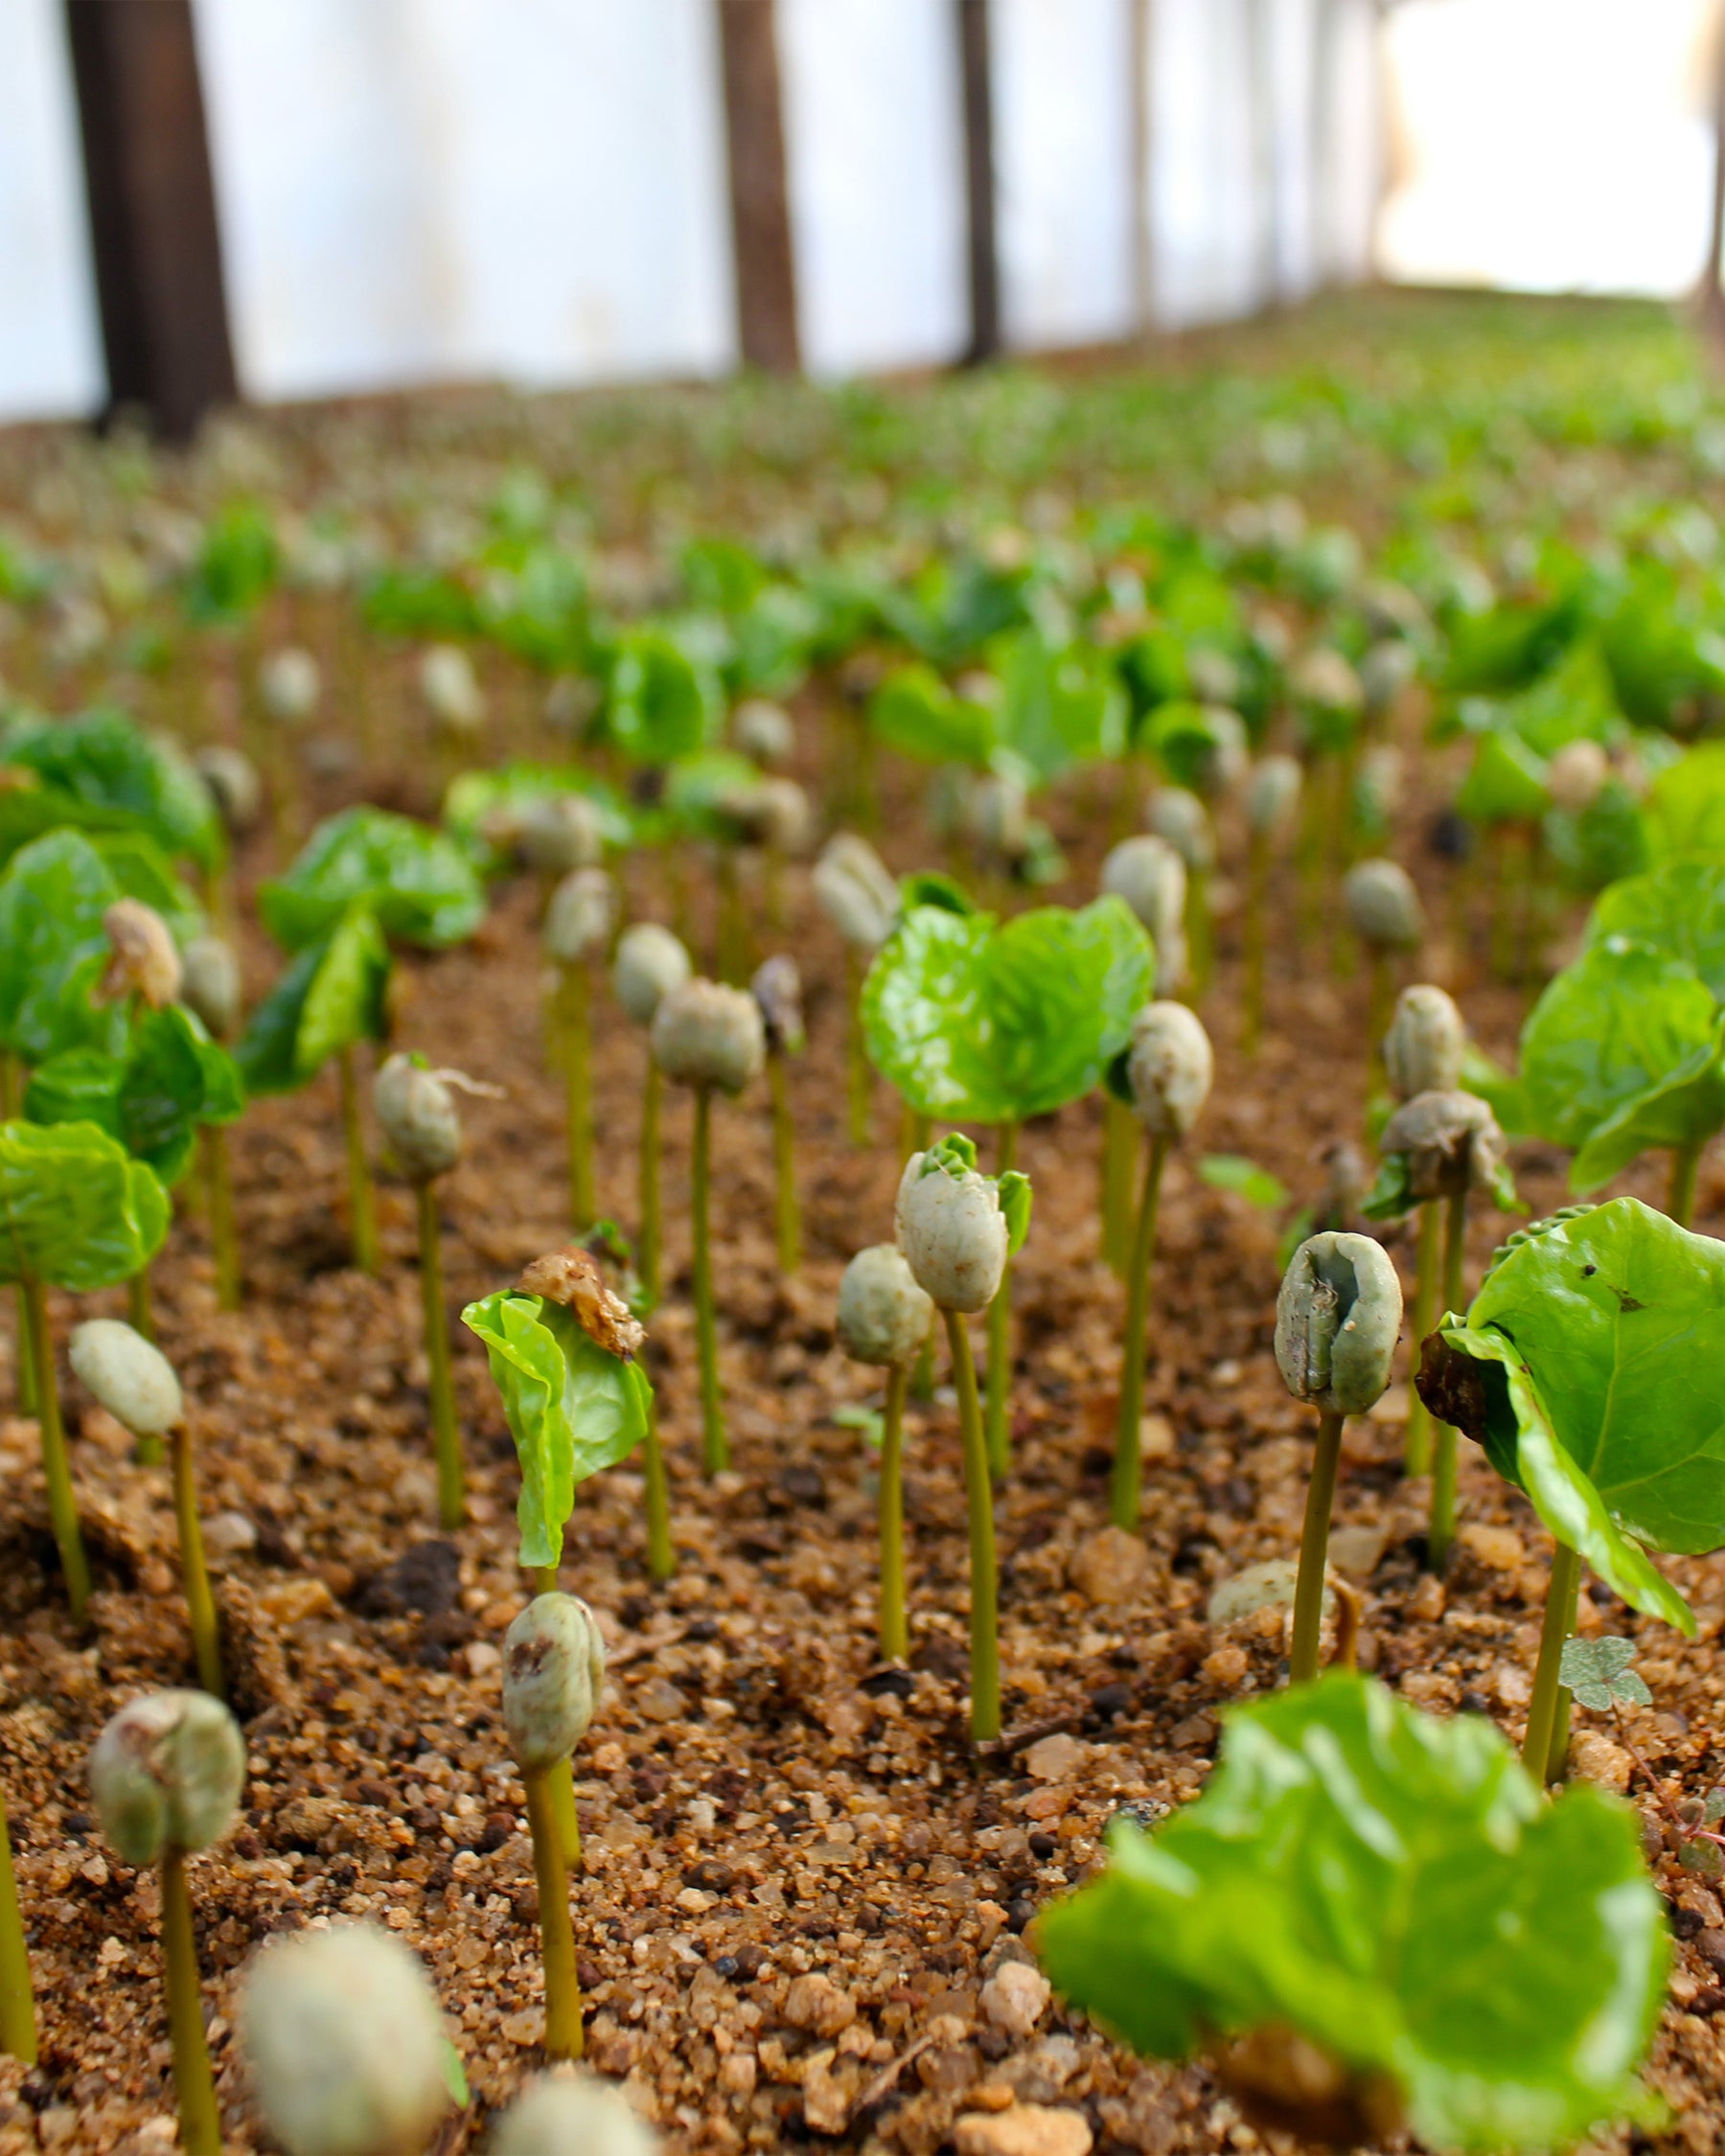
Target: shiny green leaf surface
column 75, row 1210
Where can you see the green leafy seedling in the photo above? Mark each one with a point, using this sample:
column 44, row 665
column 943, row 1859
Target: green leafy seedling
column 1600, row 1674
column 1585, row 1368
column 1371, row 1921
column 978, row 1021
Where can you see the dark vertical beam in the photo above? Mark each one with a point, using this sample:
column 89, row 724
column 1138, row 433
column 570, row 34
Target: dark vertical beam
column 976, row 73
column 754, row 134
column 152, row 209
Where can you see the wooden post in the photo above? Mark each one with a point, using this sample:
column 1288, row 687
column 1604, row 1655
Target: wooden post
column 152, row 209
column 1711, row 296
column 754, row 130
column 1140, row 51
column 1266, row 189
column 977, row 72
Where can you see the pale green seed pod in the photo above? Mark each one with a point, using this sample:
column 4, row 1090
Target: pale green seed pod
column 559, row 833
column 290, row 682
column 1169, row 1067
column 857, row 892
column 1576, row 775
column 1149, row 874
column 996, row 815
column 649, row 964
column 210, row 985
column 345, row 2043
column 1450, row 1141
column 1273, row 794
column 1385, row 671
column 1323, row 678
column 1383, row 906
column 572, row 2115
column 773, row 812
column 763, row 732
column 130, row 1376
column 705, row 1034
column 884, row 1315
column 1214, row 677
column 452, row 690
column 165, row 1773
column 231, row 779
column 1378, row 781
column 582, row 916
column 553, row 1674
column 419, row 1116
column 953, row 1233
column 1336, row 1319
column 1426, row 1044
column 777, row 990
column 1183, row 821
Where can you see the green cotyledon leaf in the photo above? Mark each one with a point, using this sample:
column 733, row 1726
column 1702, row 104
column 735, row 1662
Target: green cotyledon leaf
column 74, row 1209
column 1394, row 1888
column 54, row 949
column 329, row 997
column 416, row 882
column 1677, row 909
column 571, row 1406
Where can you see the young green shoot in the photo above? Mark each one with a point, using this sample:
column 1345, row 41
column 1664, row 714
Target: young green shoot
column 1336, row 1317
column 777, row 989
column 859, row 897
column 553, row 1674
column 135, row 1381
column 884, row 1319
column 956, row 1230
column 1179, row 818
column 711, row 1039
column 649, row 962
column 166, row 1774
column 1383, row 913
column 1168, row 1070
column 579, row 923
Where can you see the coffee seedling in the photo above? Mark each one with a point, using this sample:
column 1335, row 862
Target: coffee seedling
column 956, row 1230
column 1423, row 1052
column 860, row 898
column 553, row 1673
column 1383, row 911
column 571, row 2115
column 135, row 1381
column 884, row 1319
column 1337, row 1318
column 579, row 925
column 166, row 1774
column 1272, row 803
column 211, row 991
column 649, row 962
column 1182, row 822
column 345, row 2044
column 1150, row 875
column 778, row 990
column 1167, row 1073
column 709, row 1038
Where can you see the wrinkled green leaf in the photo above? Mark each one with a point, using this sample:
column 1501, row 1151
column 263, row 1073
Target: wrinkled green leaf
column 660, row 704
column 1014, row 1192
column 978, row 1022
column 1394, row 1887
column 915, row 712
column 331, row 997
column 141, row 870
column 1677, row 909
column 475, row 797
column 108, row 764
column 54, row 949
column 1685, row 809
column 1061, row 704
column 1505, row 782
column 171, row 1079
column 571, row 1407
column 416, row 882
column 75, row 1210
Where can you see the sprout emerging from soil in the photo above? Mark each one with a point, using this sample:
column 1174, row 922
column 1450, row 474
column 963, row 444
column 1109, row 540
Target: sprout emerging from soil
column 711, row 1038
column 1576, row 776
column 452, row 692
column 572, row 2115
column 956, row 1230
column 1336, row 1319
column 165, row 1776
column 135, row 1381
column 1182, row 819
column 559, row 834
column 1168, row 1069
column 289, row 683
column 553, row 1672
column 211, row 990
column 763, row 732
column 649, row 962
column 232, row 781
column 1383, row 911
column 859, row 897
column 579, row 923
column 345, row 2044
column 1426, row 1044
column 777, row 988
column 884, row 1316
column 1149, row 874
column 1272, row 803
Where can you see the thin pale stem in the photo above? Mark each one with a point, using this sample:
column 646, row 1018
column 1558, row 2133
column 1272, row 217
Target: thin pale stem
column 200, row 2123
column 998, row 1429
column 1314, row 1551
column 361, row 1206
column 141, row 1316
column 445, row 1431
column 563, row 2036
column 661, row 1552
column 1253, row 940
column 194, row 1576
column 578, row 1091
column 1416, row 1453
column 26, row 1355
column 650, row 1242
column 979, row 1492
column 1379, row 1009
column 1680, row 1199
column 1557, row 1758
column 224, row 1240
column 57, row 1467
column 895, row 1629
column 1541, row 1707
column 545, row 1579
column 921, row 1376
column 17, row 2001
column 1119, row 1131
column 861, row 1086
column 784, row 1161
column 561, row 1782
column 1124, row 1493
column 714, row 1448
column 1440, row 1533
column 1200, row 932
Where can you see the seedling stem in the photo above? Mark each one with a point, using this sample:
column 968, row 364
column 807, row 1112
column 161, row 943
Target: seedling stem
column 224, row 1243
column 17, row 2002
column 1542, row 1708
column 1418, row 1451
column 564, row 2037
column 56, row 1471
column 1441, row 1531
column 978, row 1491
column 363, row 1221
column 195, row 1577
column 784, row 1160
column 1118, row 1127
column 855, row 1053
column 894, row 1631
column 200, row 2124
column 1127, row 1465
column 1313, row 1547
column 648, row 1243
column 661, row 1555
column 577, row 1053
column 1252, row 1020
column 715, row 1449
column 446, row 1434
column 1557, row 1758
column 1680, row 1203
column 1000, row 1334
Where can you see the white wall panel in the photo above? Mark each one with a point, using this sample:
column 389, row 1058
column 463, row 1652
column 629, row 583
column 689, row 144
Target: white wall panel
column 51, row 363
column 876, row 176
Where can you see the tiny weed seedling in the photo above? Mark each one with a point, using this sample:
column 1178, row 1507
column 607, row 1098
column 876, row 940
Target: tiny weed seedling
column 884, row 1317
column 649, row 962
column 165, row 1776
column 956, row 1230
